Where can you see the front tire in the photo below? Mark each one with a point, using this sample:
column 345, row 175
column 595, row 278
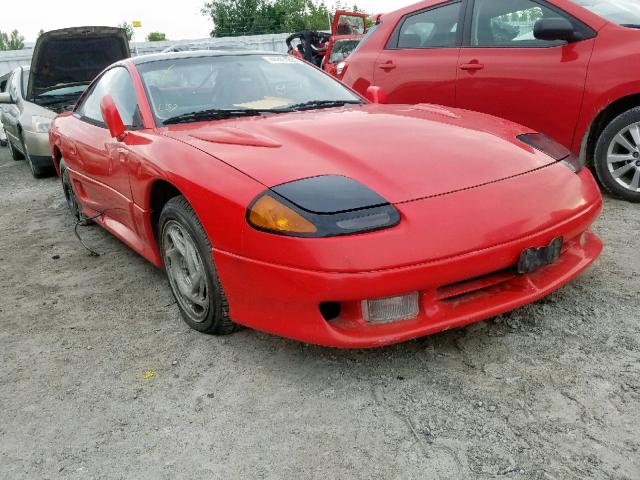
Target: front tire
column 36, row 171
column 70, row 196
column 617, row 156
column 15, row 154
column 186, row 252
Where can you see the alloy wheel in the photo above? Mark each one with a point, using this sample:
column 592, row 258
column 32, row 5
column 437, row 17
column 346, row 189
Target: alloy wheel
column 623, row 158
column 186, row 271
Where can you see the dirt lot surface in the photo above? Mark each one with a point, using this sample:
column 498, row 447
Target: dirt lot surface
column 100, row 378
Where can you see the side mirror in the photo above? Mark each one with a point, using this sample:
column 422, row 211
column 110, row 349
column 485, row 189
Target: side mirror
column 554, row 29
column 112, row 118
column 376, row 95
column 5, row 98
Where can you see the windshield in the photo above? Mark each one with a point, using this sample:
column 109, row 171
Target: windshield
column 622, row 12
column 65, row 91
column 246, row 83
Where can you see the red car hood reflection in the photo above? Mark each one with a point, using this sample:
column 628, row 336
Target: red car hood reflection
column 381, row 146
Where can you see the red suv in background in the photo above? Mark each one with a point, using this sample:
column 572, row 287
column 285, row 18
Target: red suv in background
column 568, row 68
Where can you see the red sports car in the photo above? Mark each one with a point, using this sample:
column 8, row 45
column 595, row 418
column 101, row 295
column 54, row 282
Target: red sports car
column 566, row 68
column 277, row 198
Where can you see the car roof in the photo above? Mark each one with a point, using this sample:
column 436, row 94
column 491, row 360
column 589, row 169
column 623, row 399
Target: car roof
column 155, row 57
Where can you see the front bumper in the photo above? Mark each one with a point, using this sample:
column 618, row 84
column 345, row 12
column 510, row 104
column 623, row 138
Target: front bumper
column 285, row 301
column 37, row 144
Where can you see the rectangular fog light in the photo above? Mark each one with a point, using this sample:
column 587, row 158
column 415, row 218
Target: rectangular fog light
column 392, row 309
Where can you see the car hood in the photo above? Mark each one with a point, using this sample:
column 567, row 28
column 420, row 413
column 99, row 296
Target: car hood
column 402, row 152
column 74, row 56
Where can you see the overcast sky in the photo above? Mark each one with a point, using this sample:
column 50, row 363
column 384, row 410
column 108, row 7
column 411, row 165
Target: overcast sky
column 179, row 19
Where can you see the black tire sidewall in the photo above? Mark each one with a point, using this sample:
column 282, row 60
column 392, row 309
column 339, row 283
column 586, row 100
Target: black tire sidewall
column 67, row 190
column 14, row 153
column 175, row 210
column 36, row 171
column 600, row 158
column 74, row 207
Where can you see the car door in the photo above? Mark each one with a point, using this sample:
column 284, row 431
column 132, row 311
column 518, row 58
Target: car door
column 11, row 112
column 505, row 71
column 347, row 29
column 418, row 64
column 100, row 160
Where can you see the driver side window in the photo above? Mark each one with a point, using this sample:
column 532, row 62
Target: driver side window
column 118, row 83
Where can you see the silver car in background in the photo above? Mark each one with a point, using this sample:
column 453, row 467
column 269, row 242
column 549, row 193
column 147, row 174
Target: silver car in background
column 4, row 79
column 64, row 63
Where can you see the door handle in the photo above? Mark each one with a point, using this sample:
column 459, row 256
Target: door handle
column 472, row 66
column 387, row 66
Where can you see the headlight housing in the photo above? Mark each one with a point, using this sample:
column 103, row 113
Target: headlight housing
column 325, row 206
column 40, row 124
column 553, row 149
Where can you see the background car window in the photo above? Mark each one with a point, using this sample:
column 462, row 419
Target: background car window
column 25, row 80
column 509, row 23
column 117, row 83
column 430, row 29
column 350, row 25
column 13, row 85
column 342, row 49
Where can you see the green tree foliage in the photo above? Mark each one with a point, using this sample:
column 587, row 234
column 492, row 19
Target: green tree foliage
column 253, row 17
column 156, row 37
column 12, row 41
column 128, row 28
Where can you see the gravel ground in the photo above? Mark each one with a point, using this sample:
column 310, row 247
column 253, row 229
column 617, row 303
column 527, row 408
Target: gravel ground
column 100, row 378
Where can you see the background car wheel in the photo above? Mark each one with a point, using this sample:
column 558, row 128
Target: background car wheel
column 36, row 171
column 617, row 156
column 15, row 154
column 70, row 196
column 186, row 252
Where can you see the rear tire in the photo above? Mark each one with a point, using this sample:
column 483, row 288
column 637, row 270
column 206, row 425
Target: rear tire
column 15, row 154
column 617, row 156
column 186, row 252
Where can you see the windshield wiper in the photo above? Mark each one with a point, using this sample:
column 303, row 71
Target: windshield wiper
column 223, row 114
column 631, row 25
column 315, row 104
column 215, row 114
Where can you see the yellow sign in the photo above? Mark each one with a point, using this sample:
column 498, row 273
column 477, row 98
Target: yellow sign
column 136, row 24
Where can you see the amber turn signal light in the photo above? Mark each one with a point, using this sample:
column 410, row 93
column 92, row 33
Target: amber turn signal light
column 269, row 214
